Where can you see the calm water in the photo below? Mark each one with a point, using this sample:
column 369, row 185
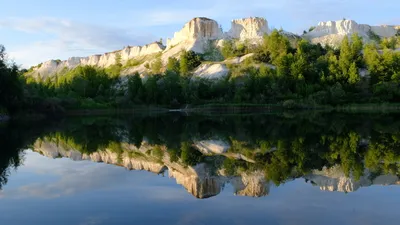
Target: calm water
column 179, row 169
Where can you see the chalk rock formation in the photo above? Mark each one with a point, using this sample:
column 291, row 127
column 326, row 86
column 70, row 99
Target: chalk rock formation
column 52, row 67
column 248, row 28
column 197, row 28
column 199, row 180
column 195, row 35
column 253, row 185
column 53, row 150
column 212, row 146
column 334, row 179
column 333, row 32
column 239, row 59
column 211, row 71
column 198, row 32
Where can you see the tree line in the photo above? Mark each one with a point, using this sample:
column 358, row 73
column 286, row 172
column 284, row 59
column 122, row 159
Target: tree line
column 285, row 149
column 293, row 73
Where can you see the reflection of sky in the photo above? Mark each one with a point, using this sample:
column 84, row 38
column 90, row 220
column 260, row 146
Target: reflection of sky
column 61, row 191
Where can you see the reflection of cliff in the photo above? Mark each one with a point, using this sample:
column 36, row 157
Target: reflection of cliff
column 333, row 179
column 202, row 180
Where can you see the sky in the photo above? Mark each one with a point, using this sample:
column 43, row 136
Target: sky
column 40, row 30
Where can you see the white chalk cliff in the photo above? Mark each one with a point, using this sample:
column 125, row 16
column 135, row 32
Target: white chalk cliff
column 198, row 180
column 249, row 28
column 334, row 179
column 196, row 35
column 52, row 67
column 333, row 32
column 202, row 34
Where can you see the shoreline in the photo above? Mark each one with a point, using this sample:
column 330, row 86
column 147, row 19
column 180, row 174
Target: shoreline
column 215, row 109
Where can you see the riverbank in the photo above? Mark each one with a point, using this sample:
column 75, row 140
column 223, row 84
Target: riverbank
column 272, row 108
column 214, row 109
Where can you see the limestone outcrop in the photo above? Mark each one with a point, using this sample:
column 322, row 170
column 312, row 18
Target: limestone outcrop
column 333, row 32
column 248, row 28
column 334, row 179
column 211, row 71
column 203, row 35
column 212, row 146
column 52, row 67
column 253, row 185
column 199, row 180
column 195, row 34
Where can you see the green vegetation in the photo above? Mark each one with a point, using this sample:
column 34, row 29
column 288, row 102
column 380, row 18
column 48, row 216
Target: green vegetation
column 373, row 36
column 293, row 73
column 115, row 70
column 156, row 66
column 232, row 48
column 11, row 88
column 283, row 146
column 188, row 61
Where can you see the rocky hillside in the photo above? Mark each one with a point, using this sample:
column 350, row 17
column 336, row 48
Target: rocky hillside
column 204, row 36
column 197, row 35
column 332, row 32
column 199, row 180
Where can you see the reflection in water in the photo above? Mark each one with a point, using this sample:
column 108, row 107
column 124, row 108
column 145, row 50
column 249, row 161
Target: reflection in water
column 204, row 154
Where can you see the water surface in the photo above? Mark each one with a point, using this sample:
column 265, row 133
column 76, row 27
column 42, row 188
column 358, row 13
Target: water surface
column 179, row 169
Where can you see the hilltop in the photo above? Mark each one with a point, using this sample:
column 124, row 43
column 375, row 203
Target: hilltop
column 205, row 36
column 330, row 65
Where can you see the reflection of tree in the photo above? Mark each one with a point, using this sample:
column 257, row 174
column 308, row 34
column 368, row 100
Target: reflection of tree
column 383, row 153
column 282, row 146
column 13, row 139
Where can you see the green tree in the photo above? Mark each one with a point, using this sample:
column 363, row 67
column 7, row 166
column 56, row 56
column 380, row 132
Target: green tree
column 228, row 49
column 188, row 61
column 11, row 92
column 152, row 91
column 156, row 66
column 273, row 47
column 173, row 65
column 354, row 76
column 389, row 43
column 135, row 88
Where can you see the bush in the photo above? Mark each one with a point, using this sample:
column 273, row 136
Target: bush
column 188, row 61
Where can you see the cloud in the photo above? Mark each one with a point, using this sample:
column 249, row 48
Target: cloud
column 65, row 37
column 214, row 9
column 69, row 181
column 53, row 178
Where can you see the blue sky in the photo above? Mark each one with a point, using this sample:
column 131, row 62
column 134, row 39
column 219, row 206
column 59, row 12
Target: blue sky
column 36, row 31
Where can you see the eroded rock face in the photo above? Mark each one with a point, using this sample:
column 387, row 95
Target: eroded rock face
column 211, row 71
column 52, row 67
column 251, row 185
column 249, row 28
column 334, row 179
column 195, row 33
column 199, row 180
column 333, row 32
column 52, row 150
column 212, row 146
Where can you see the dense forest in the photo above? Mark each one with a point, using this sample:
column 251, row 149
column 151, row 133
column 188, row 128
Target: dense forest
column 292, row 73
